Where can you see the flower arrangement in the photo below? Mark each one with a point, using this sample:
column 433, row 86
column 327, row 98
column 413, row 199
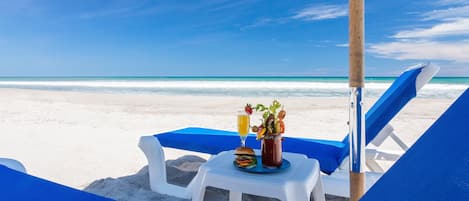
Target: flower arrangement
column 272, row 121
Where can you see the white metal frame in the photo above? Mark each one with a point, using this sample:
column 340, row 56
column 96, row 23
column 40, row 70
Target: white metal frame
column 337, row 183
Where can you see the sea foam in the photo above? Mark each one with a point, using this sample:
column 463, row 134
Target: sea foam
column 229, row 88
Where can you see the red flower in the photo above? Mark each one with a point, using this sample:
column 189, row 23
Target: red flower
column 248, row 109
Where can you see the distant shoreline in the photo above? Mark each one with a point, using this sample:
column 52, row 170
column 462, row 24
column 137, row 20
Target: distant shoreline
column 232, row 86
column 338, row 79
column 210, row 77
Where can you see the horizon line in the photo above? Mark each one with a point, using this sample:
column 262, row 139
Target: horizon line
column 212, row 76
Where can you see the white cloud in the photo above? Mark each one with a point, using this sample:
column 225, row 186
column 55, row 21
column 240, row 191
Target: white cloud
column 457, row 51
column 310, row 13
column 452, row 2
column 447, row 28
column 342, row 45
column 123, row 8
column 226, row 4
column 108, row 12
column 444, row 41
column 446, row 14
column 321, row 12
column 259, row 22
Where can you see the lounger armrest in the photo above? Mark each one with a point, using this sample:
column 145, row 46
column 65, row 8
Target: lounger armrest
column 382, row 135
column 384, row 155
column 153, row 150
column 385, row 133
column 372, row 156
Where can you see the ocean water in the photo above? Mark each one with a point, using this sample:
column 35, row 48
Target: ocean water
column 439, row 87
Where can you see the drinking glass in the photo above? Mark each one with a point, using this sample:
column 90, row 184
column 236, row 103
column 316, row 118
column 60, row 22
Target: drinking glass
column 243, row 126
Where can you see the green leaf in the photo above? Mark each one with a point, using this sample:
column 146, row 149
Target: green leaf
column 265, row 115
column 260, row 107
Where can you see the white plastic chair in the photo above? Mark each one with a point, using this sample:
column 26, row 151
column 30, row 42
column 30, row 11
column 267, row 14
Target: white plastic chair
column 157, row 170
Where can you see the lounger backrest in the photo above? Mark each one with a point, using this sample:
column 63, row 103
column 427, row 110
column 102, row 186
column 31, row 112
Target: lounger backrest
column 402, row 90
column 19, row 186
column 436, row 167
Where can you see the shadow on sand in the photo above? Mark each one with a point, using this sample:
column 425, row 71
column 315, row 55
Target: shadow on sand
column 180, row 172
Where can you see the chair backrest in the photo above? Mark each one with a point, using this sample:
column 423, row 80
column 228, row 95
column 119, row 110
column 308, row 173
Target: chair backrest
column 436, row 167
column 402, row 90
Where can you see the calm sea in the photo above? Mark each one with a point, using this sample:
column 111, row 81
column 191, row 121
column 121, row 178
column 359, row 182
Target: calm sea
column 439, row 87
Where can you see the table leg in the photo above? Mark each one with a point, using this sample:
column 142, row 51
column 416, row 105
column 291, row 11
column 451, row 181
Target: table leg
column 235, row 196
column 318, row 192
column 198, row 194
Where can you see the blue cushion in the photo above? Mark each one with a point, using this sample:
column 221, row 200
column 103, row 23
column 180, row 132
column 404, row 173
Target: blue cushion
column 213, row 141
column 436, row 167
column 329, row 153
column 202, row 140
column 18, row 186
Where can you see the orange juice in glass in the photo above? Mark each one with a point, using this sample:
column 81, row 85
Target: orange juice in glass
column 243, row 126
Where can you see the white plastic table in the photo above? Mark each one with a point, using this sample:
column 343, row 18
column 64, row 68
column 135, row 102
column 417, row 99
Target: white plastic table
column 297, row 183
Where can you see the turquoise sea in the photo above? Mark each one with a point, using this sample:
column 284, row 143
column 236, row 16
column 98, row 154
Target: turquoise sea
column 439, row 87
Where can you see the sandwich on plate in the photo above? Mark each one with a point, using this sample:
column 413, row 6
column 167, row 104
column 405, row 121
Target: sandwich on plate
column 245, row 157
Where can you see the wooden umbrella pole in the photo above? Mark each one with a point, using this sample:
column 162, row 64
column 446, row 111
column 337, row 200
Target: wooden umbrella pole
column 356, row 83
column 356, row 43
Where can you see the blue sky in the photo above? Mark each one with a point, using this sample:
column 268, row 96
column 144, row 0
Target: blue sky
column 220, row 37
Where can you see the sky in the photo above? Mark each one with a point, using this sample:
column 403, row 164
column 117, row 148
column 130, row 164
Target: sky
column 227, row 38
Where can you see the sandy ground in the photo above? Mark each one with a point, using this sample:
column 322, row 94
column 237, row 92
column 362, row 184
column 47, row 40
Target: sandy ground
column 76, row 138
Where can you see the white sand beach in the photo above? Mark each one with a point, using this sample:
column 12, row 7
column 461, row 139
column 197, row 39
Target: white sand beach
column 76, row 138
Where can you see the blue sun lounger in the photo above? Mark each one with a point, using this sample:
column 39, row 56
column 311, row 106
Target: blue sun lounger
column 436, row 167
column 329, row 153
column 19, row 186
